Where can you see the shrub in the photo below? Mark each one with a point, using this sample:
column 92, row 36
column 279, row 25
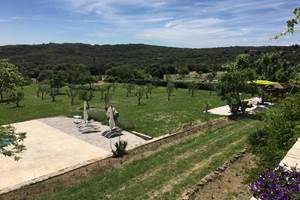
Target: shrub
column 278, row 184
column 125, row 124
column 97, row 115
column 120, row 149
column 16, row 97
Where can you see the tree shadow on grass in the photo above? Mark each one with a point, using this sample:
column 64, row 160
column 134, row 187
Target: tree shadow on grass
column 16, row 107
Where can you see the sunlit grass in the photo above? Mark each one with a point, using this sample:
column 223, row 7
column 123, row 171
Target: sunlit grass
column 155, row 117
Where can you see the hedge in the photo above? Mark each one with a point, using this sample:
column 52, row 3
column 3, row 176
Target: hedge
column 178, row 84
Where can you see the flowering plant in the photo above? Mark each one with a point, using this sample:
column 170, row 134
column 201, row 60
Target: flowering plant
column 280, row 184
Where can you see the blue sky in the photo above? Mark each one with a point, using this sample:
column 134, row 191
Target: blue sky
column 180, row 23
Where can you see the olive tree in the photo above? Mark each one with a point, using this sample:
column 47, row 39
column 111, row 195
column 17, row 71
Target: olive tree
column 148, row 89
column 72, row 92
column 86, row 95
column 53, row 92
column 129, row 88
column 170, row 89
column 102, row 90
column 234, row 83
column 11, row 142
column 140, row 93
column 10, row 77
column 16, row 97
column 192, row 87
column 42, row 90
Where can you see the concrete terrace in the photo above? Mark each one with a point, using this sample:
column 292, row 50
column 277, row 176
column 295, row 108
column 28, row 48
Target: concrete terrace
column 54, row 145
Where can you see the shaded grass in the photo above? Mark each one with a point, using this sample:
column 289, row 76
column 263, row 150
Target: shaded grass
column 145, row 178
column 155, row 117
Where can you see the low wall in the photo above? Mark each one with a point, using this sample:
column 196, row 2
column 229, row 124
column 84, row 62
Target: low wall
column 189, row 194
column 74, row 175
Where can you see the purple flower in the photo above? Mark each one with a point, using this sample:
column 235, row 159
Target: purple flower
column 280, row 184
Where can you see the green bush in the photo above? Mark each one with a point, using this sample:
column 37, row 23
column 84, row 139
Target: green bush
column 120, row 149
column 125, row 124
column 98, row 115
column 280, row 131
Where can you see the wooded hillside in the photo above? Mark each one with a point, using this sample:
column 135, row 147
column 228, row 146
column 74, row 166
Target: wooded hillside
column 31, row 59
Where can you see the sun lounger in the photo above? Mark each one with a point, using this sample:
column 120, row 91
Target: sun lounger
column 91, row 130
column 112, row 133
column 89, row 126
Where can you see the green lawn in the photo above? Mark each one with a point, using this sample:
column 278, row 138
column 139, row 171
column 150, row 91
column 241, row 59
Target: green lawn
column 156, row 117
column 166, row 173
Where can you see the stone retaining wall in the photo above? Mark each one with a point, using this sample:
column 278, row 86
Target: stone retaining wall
column 189, row 194
column 75, row 174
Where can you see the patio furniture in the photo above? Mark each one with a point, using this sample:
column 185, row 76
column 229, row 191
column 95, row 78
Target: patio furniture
column 89, row 127
column 112, row 133
column 77, row 119
column 91, row 130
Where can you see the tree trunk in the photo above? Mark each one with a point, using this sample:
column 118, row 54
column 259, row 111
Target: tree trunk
column 1, row 96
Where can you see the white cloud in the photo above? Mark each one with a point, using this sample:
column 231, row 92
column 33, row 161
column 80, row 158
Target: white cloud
column 227, row 22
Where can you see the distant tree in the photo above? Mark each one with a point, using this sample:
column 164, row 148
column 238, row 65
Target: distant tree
column 123, row 73
column 90, row 80
column 140, row 94
column 57, row 80
column 107, row 98
column 72, row 92
column 171, row 69
column 241, row 61
column 16, row 97
column 44, row 75
column 183, row 70
column 210, row 77
column 114, row 86
column 10, row 78
column 77, row 74
column 42, row 90
column 102, row 90
column 86, row 95
column 108, row 88
column 273, row 67
column 148, row 90
column 290, row 24
column 53, row 92
column 129, row 88
column 11, row 142
column 156, row 71
column 192, row 87
column 170, row 89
